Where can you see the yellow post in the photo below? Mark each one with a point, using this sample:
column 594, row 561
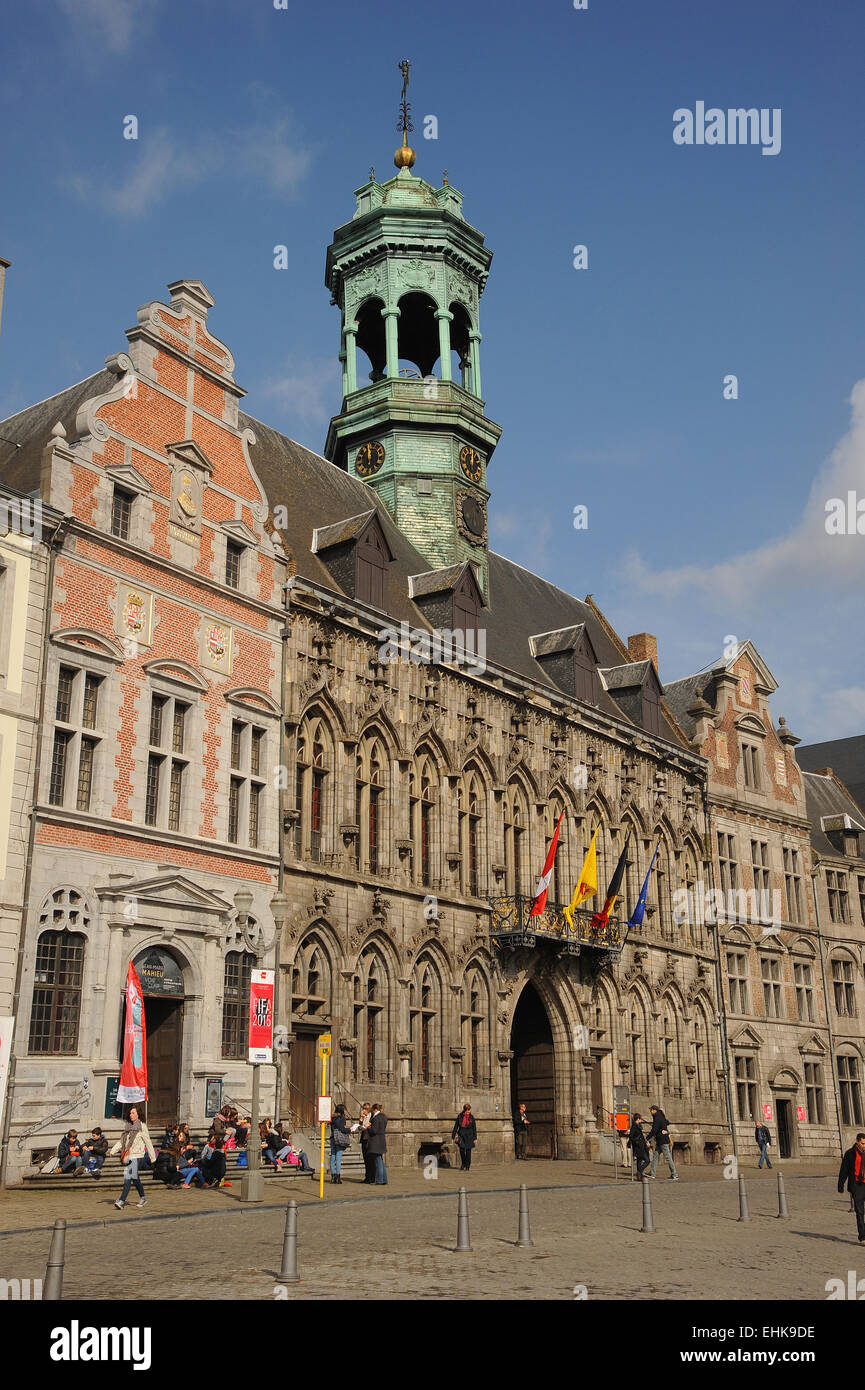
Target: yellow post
column 321, row 1156
column 325, row 1043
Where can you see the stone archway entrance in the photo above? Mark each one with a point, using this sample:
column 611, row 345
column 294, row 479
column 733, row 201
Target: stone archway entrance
column 162, row 986
column 533, row 1076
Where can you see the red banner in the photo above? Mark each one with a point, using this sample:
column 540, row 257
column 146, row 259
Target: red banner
column 261, row 1016
column 133, row 1070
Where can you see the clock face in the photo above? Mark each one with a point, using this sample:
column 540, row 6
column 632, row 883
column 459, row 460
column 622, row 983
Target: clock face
column 471, row 463
column 473, row 515
column 369, row 459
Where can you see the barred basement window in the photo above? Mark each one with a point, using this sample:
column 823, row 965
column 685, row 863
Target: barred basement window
column 850, row 1089
column 239, row 966
column 121, row 513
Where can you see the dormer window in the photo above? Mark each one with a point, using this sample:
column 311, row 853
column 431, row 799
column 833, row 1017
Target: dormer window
column 356, row 554
column 450, row 600
column 638, row 692
column 568, row 659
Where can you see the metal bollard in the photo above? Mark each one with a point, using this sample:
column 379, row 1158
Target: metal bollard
column 288, row 1273
column 524, row 1235
column 648, row 1225
column 53, row 1289
column 783, row 1211
column 744, row 1214
column 463, row 1238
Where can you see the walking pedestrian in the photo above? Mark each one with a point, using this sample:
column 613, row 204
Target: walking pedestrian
column 853, row 1174
column 368, row 1158
column 521, row 1129
column 465, row 1131
column 378, row 1144
column 660, row 1134
column 638, row 1146
column 764, row 1139
column 340, row 1138
column 133, row 1145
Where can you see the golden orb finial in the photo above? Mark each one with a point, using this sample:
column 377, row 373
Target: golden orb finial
column 405, row 156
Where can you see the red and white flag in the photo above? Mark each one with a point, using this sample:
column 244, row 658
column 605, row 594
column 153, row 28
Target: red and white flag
column 544, row 880
column 133, row 1069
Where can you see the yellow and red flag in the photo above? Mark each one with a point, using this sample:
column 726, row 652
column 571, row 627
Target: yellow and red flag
column 587, row 885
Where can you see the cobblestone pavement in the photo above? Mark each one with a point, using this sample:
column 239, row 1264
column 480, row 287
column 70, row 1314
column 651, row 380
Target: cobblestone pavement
column 361, row 1243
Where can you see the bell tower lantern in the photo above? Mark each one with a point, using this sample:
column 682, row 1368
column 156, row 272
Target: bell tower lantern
column 407, row 274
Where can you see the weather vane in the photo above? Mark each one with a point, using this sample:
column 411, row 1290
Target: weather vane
column 404, row 123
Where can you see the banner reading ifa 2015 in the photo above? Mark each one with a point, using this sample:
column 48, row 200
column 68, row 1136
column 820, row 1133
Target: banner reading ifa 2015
column 261, row 1016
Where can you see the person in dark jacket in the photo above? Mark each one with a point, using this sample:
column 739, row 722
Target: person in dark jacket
column 521, row 1129
column 638, row 1146
column 465, row 1131
column 763, row 1139
column 213, row 1168
column 69, row 1153
column 660, row 1135
column 340, row 1138
column 378, row 1144
column 94, row 1151
column 852, row 1173
column 165, row 1167
column 369, row 1162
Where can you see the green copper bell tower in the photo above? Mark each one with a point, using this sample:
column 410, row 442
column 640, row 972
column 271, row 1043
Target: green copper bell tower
column 407, row 273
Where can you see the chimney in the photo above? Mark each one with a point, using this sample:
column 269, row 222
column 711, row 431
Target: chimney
column 644, row 647
column 4, row 266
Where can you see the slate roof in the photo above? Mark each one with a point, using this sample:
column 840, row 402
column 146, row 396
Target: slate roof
column 846, row 757
column 325, row 537
column 316, row 495
column 679, row 695
column 562, row 640
column 626, row 677
column 827, row 796
column 435, row 581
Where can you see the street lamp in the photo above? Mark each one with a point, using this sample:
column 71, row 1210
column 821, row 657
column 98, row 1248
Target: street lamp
column 252, row 1183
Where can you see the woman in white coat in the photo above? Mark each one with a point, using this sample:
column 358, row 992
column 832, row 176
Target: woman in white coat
column 132, row 1145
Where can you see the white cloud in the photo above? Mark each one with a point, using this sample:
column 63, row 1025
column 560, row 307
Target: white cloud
column 110, row 22
column 163, row 164
column 806, row 557
column 307, row 391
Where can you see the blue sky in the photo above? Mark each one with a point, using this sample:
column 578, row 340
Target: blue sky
column 706, row 516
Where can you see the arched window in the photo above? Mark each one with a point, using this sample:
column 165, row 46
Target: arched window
column 659, row 894
column 516, row 822
column 692, row 926
column 700, row 1049
column 56, row 1006
column 470, row 805
column 313, row 763
column 370, row 788
column 560, row 877
column 239, row 966
column 311, row 981
column 425, row 1003
column 475, row 1028
column 371, row 1018
column 635, row 1027
column 423, row 800
column 669, row 1045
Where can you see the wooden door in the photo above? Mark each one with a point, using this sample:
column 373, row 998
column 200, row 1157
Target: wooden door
column 535, row 1085
column 785, row 1136
column 163, row 1020
column 303, row 1086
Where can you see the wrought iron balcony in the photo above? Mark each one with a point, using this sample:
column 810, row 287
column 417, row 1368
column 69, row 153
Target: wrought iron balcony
column 511, row 926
